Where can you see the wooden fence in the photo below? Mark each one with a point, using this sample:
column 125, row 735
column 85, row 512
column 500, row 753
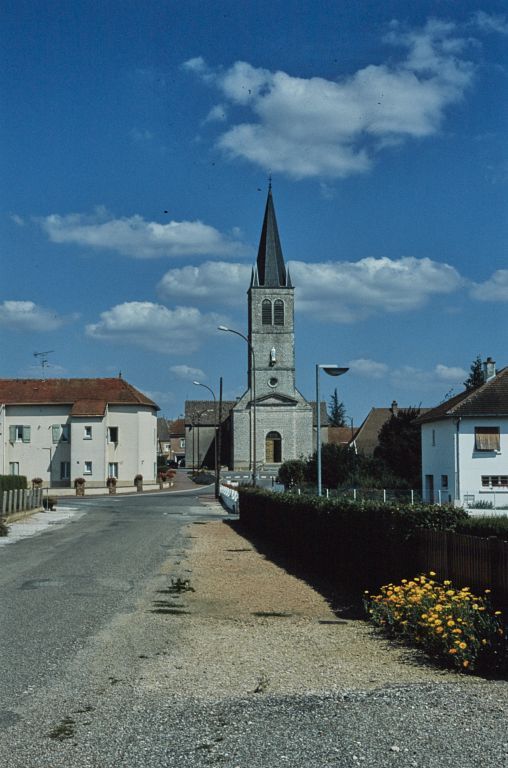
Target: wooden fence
column 466, row 560
column 19, row 500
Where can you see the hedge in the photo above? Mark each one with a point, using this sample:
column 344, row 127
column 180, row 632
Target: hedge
column 355, row 543
column 485, row 526
column 12, row 482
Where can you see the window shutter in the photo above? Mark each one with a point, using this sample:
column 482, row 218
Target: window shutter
column 487, row 439
column 26, row 434
column 12, row 433
column 55, row 428
column 266, row 312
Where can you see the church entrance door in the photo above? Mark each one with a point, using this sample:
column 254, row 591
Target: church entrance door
column 273, row 448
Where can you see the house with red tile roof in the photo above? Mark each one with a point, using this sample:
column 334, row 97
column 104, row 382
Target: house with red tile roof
column 465, row 444
column 61, row 429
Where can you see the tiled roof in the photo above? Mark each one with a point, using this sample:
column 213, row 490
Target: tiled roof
column 489, row 399
column 204, row 411
column 177, row 427
column 341, row 435
column 87, row 396
column 367, row 436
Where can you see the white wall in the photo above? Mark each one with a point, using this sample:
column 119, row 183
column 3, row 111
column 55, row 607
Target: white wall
column 135, row 453
column 474, row 464
column 438, row 458
column 441, row 458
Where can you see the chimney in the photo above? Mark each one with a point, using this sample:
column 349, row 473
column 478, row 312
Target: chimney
column 489, row 369
column 394, row 408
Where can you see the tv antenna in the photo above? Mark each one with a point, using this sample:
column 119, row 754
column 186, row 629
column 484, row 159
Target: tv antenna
column 43, row 357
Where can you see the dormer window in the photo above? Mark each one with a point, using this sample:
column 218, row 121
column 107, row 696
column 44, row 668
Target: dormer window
column 278, row 312
column 266, row 312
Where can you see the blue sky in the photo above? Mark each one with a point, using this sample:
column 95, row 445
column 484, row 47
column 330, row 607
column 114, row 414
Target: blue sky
column 137, row 139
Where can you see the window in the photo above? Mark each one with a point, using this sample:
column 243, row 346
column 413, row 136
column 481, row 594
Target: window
column 88, row 468
column 486, row 439
column 87, row 434
column 494, row 481
column 444, row 481
column 266, row 312
column 182, row 442
column 60, row 432
column 14, row 467
column 19, row 433
column 65, row 470
column 112, row 434
column 278, row 312
column 113, row 469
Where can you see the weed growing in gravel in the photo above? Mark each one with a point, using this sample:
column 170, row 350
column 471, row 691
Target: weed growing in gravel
column 180, row 585
column 448, row 623
column 65, row 730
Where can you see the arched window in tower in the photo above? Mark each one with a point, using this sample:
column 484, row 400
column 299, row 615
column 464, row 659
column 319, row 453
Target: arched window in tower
column 266, row 312
column 278, row 312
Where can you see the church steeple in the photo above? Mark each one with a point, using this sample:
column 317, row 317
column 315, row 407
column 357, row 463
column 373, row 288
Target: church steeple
column 270, row 268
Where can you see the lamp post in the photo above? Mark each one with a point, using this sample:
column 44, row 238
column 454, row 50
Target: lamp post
column 331, row 370
column 217, row 427
column 253, row 390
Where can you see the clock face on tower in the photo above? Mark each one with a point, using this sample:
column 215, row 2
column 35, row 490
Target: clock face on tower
column 272, row 381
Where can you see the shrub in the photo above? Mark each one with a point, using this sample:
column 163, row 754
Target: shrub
column 485, row 526
column 292, row 473
column 481, row 504
column 12, row 482
column 111, row 481
column 447, row 623
column 79, row 481
column 138, row 478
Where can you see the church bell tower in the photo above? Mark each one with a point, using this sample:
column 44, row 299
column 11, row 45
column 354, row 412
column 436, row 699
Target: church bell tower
column 271, row 314
column 271, row 413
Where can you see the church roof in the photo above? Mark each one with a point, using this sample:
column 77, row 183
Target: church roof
column 270, row 270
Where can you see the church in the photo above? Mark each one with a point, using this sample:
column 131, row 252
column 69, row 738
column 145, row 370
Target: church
column 271, row 422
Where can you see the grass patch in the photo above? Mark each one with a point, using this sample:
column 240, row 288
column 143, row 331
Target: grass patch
column 64, row 730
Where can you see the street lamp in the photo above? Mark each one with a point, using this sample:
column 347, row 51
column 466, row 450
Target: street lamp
column 253, row 389
column 331, row 370
column 217, row 427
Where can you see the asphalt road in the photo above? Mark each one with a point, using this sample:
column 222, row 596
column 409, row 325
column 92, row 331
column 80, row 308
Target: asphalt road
column 79, row 617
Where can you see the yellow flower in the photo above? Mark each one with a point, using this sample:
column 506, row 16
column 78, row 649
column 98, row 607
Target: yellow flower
column 439, row 630
column 446, row 582
column 487, row 591
column 450, row 623
column 497, row 613
column 432, row 573
column 463, row 646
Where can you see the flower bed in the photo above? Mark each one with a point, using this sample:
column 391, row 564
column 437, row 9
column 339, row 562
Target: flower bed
column 447, row 623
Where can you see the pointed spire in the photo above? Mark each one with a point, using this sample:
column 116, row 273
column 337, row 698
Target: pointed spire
column 271, row 270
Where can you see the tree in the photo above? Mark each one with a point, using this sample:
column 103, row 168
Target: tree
column 475, row 378
column 337, row 412
column 399, row 446
column 292, row 472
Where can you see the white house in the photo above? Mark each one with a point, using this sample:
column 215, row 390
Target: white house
column 465, row 444
column 61, row 429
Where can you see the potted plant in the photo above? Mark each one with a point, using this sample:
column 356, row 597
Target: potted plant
column 138, row 482
column 37, row 482
column 161, row 477
column 111, row 484
column 79, row 485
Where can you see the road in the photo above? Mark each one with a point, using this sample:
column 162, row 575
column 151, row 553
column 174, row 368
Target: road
column 84, row 614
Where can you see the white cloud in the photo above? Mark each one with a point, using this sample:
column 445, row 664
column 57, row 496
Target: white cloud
column 452, row 374
column 217, row 114
column 187, row 373
column 316, row 127
column 28, row 316
column 133, row 236
column 488, row 22
column 222, row 282
column 368, row 368
column 493, row 289
column 155, row 327
column 336, row 291
column 17, row 220
column 344, row 291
